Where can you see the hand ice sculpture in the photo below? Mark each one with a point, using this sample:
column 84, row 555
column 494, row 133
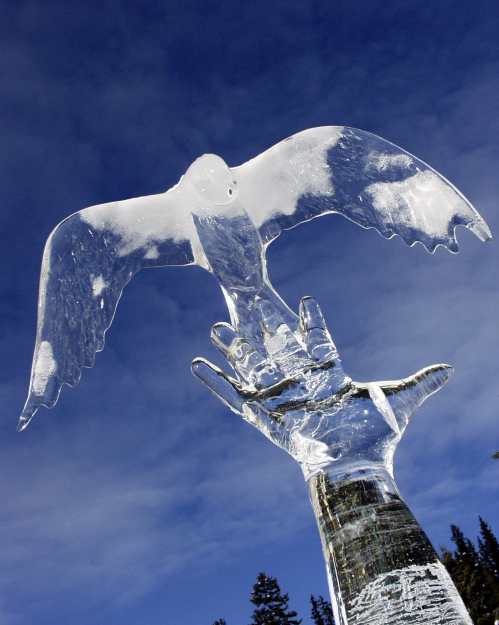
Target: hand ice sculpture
column 381, row 567
column 297, row 394
column 92, row 255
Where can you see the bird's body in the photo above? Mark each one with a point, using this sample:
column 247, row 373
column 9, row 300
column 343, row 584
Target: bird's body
column 222, row 219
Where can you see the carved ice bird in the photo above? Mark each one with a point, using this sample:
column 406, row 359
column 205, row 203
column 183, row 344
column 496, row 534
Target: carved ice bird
column 91, row 256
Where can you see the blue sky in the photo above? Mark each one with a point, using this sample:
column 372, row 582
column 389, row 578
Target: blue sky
column 139, row 500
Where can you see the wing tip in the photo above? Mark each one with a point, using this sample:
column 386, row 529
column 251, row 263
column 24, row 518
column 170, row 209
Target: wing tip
column 480, row 229
column 25, row 419
column 33, row 403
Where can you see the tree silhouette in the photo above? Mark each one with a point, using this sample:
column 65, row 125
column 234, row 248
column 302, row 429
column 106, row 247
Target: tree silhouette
column 488, row 546
column 315, row 612
column 271, row 604
column 475, row 582
column 321, row 611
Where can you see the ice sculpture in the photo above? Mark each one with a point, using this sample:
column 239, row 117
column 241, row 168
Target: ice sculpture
column 382, row 569
column 91, row 256
column 290, row 383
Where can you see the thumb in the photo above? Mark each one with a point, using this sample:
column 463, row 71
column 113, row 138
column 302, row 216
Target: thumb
column 406, row 395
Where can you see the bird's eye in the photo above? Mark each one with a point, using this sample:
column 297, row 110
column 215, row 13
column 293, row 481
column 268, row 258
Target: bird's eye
column 229, row 191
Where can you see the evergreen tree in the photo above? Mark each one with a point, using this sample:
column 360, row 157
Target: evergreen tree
column 315, row 612
column 327, row 611
column 488, row 546
column 474, row 581
column 271, row 604
column 321, row 612
column 220, row 621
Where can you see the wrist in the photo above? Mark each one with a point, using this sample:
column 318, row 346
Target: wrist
column 363, row 490
column 338, row 472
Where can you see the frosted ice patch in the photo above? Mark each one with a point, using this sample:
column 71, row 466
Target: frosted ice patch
column 423, row 201
column 213, row 181
column 421, row 595
column 152, row 253
column 98, row 285
column 141, row 221
column 385, row 162
column 272, row 183
column 45, row 367
column 277, row 342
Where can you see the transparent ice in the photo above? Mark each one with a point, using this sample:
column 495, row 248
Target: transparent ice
column 287, row 378
column 381, row 566
column 91, row 256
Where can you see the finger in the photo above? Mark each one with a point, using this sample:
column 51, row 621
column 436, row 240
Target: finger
column 250, row 364
column 221, row 385
column 280, row 342
column 233, row 346
column 319, row 343
column 408, row 394
column 311, row 314
column 223, row 336
column 271, row 316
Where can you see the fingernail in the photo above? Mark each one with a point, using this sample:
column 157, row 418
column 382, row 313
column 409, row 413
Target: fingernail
column 197, row 367
column 311, row 314
column 223, row 335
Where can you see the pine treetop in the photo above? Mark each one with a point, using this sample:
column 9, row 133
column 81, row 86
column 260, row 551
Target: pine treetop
column 476, row 584
column 271, row 604
column 488, row 547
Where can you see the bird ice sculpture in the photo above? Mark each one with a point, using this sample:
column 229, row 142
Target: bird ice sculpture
column 91, row 256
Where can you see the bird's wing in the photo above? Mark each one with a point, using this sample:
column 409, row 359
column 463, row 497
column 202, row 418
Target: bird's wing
column 88, row 260
column 372, row 182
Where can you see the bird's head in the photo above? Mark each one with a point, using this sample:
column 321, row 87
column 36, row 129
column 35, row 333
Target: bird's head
column 212, row 180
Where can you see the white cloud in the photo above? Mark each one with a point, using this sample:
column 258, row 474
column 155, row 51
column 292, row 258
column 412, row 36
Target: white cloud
column 89, row 515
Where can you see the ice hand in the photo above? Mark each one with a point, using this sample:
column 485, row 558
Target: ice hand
column 298, row 396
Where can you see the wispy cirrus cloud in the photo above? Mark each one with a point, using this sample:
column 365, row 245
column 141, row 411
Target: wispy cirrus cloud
column 138, row 480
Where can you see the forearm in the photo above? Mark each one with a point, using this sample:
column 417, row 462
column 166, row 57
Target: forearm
column 382, row 568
